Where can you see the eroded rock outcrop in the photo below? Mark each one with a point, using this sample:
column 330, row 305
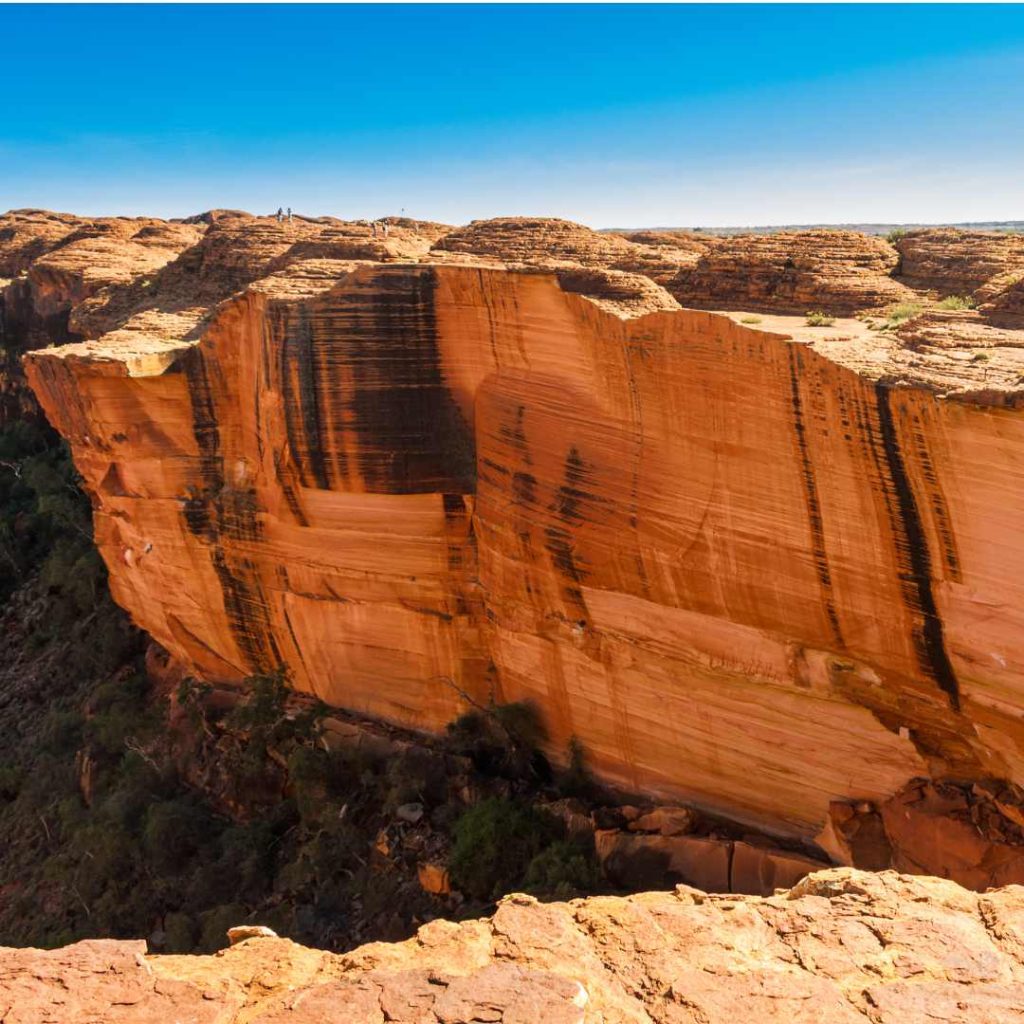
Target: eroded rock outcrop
column 739, row 563
column 841, row 946
column 793, row 272
column 1008, row 303
column 51, row 263
column 956, row 262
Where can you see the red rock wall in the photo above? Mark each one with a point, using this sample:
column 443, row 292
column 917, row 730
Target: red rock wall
column 737, row 572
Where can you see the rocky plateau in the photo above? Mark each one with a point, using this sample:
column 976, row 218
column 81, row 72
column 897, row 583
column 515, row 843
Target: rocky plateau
column 840, row 947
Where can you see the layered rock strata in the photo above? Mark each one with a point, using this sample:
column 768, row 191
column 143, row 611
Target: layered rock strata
column 792, row 272
column 738, row 563
column 841, row 947
column 956, row 262
column 50, row 263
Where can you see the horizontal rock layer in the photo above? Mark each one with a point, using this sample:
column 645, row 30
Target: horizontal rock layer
column 960, row 263
column 739, row 572
column 796, row 272
column 841, row 947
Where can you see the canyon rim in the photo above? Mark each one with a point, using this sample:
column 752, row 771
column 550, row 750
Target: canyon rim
column 456, row 592
column 736, row 518
column 758, row 566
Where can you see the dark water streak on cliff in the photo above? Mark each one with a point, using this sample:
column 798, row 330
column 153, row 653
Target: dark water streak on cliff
column 915, row 558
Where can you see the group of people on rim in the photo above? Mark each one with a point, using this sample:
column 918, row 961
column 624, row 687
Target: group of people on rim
column 380, row 227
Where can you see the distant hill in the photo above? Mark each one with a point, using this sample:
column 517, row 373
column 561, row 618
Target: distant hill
column 867, row 229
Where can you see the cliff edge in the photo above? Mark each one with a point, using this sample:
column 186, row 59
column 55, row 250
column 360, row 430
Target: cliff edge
column 769, row 568
column 841, row 947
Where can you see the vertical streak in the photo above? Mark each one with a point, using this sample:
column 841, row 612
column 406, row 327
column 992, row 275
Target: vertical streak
column 915, row 558
column 813, row 500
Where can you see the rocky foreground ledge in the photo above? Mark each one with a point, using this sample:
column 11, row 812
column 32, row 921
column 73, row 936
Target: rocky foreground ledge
column 842, row 945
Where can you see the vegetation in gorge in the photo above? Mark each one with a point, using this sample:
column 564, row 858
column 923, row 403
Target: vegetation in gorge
column 125, row 812
column 314, row 847
column 45, row 524
column 505, row 845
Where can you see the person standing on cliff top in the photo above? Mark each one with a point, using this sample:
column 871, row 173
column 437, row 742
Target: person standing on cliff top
column 289, row 215
column 280, row 215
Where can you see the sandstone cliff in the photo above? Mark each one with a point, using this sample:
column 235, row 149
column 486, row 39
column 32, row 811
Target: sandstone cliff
column 767, row 569
column 954, row 262
column 841, row 946
column 51, row 262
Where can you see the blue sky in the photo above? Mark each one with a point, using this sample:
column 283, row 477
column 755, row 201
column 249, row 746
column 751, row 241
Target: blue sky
column 606, row 114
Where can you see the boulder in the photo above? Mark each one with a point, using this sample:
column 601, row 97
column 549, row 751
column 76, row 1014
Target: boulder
column 758, row 871
column 243, row 932
column 434, row 878
column 648, row 861
column 666, row 821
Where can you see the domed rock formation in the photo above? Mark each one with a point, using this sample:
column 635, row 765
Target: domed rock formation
column 955, row 262
column 53, row 262
column 792, row 272
column 549, row 242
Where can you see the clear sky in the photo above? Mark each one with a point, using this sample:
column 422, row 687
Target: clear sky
column 610, row 115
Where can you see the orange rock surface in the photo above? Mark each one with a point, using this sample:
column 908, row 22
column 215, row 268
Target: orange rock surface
column 758, row 568
column 955, row 262
column 50, row 263
column 840, row 947
column 793, row 272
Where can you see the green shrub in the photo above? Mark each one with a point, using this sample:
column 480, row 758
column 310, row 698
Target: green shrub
column 61, row 731
column 750, row 320
column 495, row 842
column 521, row 722
column 173, row 831
column 417, row 775
column 264, row 706
column 958, row 302
column 901, row 312
column 309, row 775
column 104, row 857
column 565, row 868
column 128, row 789
column 503, row 739
column 819, row 319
